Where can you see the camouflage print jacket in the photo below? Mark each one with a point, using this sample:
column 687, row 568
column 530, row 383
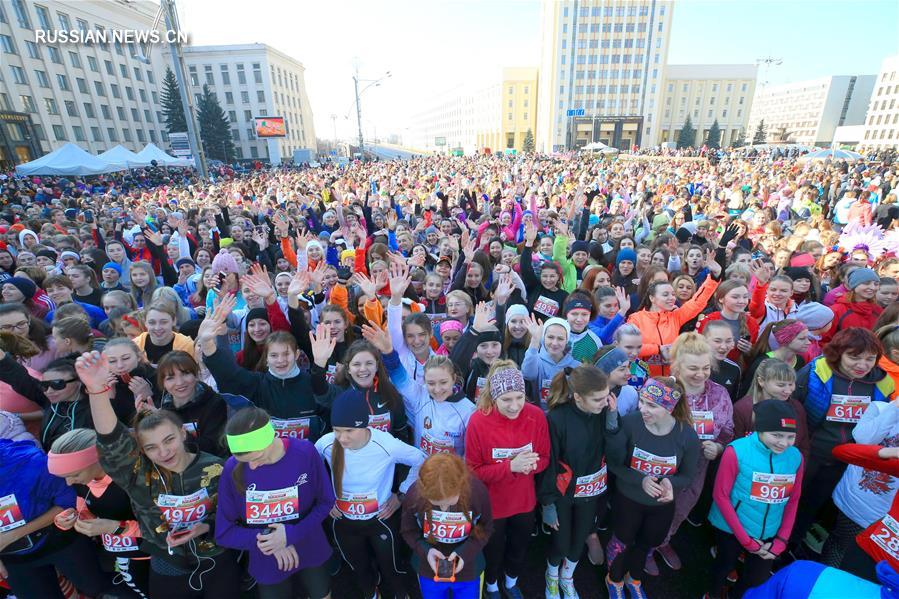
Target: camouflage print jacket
column 148, row 487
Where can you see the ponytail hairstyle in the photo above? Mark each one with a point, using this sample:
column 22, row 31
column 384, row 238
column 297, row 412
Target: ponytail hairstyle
column 645, row 299
column 582, row 380
column 647, row 280
column 243, row 421
column 681, row 412
column 770, row 369
column 763, row 344
column 725, row 288
column 485, row 399
column 689, row 344
column 443, row 475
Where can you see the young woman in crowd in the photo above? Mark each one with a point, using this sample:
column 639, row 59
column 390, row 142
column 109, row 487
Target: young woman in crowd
column 787, row 340
column 725, row 371
column 16, row 319
column 771, row 300
column 133, row 378
column 579, row 310
column 549, row 353
column 545, row 294
column 365, row 519
column 173, row 492
column 756, row 497
column 161, row 336
column 582, row 412
column 506, row 445
column 858, row 307
column 654, row 454
column 447, row 518
column 733, row 297
column 143, row 282
column 103, row 510
column 272, row 502
column 477, row 350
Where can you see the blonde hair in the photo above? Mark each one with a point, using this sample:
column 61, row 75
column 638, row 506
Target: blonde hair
column 770, row 369
column 689, row 344
column 485, row 399
column 462, row 296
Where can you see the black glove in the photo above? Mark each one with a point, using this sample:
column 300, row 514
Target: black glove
column 730, row 233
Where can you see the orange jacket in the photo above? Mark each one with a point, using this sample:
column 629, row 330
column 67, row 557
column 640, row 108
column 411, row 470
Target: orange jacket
column 662, row 328
column 892, row 369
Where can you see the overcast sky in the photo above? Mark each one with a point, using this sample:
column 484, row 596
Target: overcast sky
column 431, row 46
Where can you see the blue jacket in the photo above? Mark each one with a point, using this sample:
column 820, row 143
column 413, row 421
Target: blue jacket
column 761, row 520
column 606, row 327
column 23, row 473
column 96, row 315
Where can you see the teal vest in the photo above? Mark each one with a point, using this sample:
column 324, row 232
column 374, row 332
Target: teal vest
column 759, row 498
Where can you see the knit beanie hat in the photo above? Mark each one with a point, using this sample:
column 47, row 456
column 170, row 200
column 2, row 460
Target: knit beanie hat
column 113, row 266
column 612, row 360
column 25, row 286
column 796, row 273
column 48, row 253
column 580, row 246
column 350, row 410
column 181, row 261
column 860, row 276
column 625, row 254
column 260, row 313
column 224, row 262
column 773, row 415
column 557, row 321
column 814, row 315
column 516, row 310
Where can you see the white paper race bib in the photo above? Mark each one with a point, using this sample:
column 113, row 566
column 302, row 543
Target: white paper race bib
column 591, row 485
column 545, row 305
column 331, row 373
column 266, row 507
column 886, row 536
column 847, row 408
column 505, row 453
column 650, row 463
column 120, row 543
column 431, row 445
column 184, row 511
column 293, row 428
column 446, row 527
column 10, row 513
column 380, row 421
column 771, row 488
column 358, row 506
column 545, row 384
column 704, row 424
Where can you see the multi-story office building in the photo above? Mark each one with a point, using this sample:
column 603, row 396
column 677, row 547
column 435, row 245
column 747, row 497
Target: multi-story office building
column 706, row 93
column 882, row 121
column 808, row 112
column 96, row 94
column 518, row 108
column 602, row 69
column 252, row 80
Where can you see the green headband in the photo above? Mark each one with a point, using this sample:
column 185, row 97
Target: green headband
column 256, row 440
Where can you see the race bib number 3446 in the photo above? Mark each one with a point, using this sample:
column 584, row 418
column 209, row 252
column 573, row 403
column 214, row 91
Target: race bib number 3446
column 267, row 507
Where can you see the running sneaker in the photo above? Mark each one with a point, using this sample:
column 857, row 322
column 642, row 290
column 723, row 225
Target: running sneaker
column 594, row 550
column 552, row 586
column 616, row 589
column 492, row 594
column 634, row 588
column 670, row 556
column 512, row 592
column 651, row 567
column 568, row 590
column 733, row 577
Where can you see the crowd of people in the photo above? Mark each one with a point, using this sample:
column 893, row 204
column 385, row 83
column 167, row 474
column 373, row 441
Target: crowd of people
column 407, row 371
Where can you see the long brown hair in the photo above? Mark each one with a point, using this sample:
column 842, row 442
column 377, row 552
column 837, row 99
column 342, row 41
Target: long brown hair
column 682, row 412
column 381, row 384
column 725, row 288
column 443, row 475
column 147, row 420
column 582, row 380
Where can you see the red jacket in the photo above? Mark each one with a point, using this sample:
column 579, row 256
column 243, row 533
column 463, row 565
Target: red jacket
column 751, row 325
column 866, row 457
column 490, row 443
column 847, row 314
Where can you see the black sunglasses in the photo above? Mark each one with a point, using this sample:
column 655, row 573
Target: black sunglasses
column 57, row 384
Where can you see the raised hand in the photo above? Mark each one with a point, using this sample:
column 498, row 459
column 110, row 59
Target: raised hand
column 303, row 240
column 366, row 285
column 535, row 330
column 152, row 237
column 322, row 345
column 530, row 233
column 298, row 284
column 93, row 370
column 399, row 280
column 760, row 271
column 317, row 274
column 483, row 318
column 503, row 289
column 259, row 282
column 624, row 300
column 711, row 264
column 378, row 337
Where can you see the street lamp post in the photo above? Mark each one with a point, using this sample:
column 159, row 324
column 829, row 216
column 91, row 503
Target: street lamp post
column 371, row 83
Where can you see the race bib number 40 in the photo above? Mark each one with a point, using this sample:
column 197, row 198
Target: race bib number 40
column 650, row 463
column 295, row 428
column 771, row 488
column 184, row 511
column 10, row 513
column 847, row 408
column 447, row 527
column 591, row 485
column 359, row 506
column 266, row 507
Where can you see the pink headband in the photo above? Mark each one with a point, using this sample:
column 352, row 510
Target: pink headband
column 784, row 335
column 506, row 380
column 450, row 325
column 67, row 463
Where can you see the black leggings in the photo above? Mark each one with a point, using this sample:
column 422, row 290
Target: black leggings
column 316, row 582
column 841, row 536
column 213, row 578
column 641, row 528
column 133, row 574
column 755, row 569
column 34, row 576
column 818, row 483
column 576, row 521
column 508, row 545
column 361, row 540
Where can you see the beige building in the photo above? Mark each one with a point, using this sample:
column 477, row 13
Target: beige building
column 519, row 108
column 98, row 94
column 253, row 80
column 707, row 93
column 808, row 112
column 882, row 120
column 602, row 68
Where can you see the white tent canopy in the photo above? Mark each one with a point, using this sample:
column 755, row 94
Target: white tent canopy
column 598, row 146
column 67, row 160
column 122, row 157
column 152, row 152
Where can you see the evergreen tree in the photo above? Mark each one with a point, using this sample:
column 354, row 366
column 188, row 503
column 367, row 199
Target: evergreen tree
column 760, row 134
column 172, row 109
column 687, row 135
column 215, row 130
column 714, row 139
column 741, row 139
column 528, row 145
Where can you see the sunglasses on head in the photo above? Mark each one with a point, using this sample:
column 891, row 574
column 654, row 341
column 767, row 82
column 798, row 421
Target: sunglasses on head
column 58, row 384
